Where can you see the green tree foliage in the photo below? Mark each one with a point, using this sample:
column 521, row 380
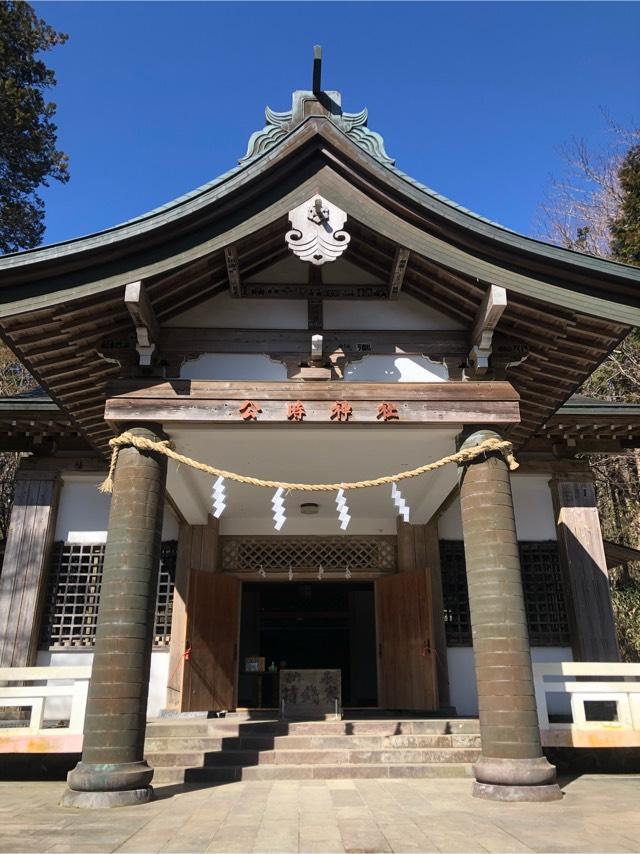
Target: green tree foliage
column 625, row 228
column 28, row 154
column 28, row 160
column 595, row 208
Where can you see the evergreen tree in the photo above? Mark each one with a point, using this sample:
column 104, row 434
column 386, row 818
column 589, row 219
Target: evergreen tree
column 625, row 228
column 28, row 154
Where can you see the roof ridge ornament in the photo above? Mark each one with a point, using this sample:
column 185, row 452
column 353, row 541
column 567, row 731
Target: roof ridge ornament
column 321, row 103
column 317, row 231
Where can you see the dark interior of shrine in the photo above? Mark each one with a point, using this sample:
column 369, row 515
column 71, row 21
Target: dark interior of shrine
column 304, row 625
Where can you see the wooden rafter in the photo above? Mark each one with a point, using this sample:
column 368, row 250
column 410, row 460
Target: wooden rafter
column 233, row 270
column 489, row 313
column 144, row 320
column 399, row 268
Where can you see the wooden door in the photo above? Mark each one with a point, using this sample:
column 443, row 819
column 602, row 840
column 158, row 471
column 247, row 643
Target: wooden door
column 407, row 676
column 210, row 675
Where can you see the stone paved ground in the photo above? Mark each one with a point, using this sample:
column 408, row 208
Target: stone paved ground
column 597, row 814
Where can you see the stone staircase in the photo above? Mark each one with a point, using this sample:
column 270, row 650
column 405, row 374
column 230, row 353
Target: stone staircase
column 215, row 750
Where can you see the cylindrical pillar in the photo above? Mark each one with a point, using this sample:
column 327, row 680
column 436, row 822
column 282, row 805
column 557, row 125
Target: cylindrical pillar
column 112, row 771
column 511, row 766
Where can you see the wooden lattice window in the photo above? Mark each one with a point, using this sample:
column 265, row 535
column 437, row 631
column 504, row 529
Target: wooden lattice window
column 279, row 554
column 73, row 595
column 543, row 593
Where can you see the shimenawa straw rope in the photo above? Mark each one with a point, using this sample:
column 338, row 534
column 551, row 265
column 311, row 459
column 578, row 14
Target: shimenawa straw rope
column 128, row 439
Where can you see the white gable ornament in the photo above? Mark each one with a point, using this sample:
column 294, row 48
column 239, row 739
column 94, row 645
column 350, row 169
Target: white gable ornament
column 317, row 231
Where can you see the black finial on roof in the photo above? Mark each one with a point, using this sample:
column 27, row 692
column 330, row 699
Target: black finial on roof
column 316, row 86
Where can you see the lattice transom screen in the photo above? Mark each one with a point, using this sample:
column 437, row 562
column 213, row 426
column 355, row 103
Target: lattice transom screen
column 543, row 594
column 73, row 595
column 279, row 554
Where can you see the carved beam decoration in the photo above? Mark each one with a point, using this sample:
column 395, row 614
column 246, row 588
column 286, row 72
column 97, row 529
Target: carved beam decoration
column 489, row 313
column 400, row 263
column 144, row 319
column 233, row 270
column 317, row 231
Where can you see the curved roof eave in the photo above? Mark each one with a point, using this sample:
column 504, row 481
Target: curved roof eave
column 209, row 193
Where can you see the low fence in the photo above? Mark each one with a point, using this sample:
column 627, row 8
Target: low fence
column 602, row 706
column 603, row 703
column 32, row 690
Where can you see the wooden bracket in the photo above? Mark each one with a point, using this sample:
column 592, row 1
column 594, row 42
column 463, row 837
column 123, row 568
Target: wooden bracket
column 233, row 270
column 400, row 264
column 144, row 319
column 489, row 313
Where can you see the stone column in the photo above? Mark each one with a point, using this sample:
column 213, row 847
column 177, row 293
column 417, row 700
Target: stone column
column 511, row 766
column 112, row 771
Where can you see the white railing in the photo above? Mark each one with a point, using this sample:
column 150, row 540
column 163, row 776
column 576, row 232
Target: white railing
column 589, row 682
column 55, row 682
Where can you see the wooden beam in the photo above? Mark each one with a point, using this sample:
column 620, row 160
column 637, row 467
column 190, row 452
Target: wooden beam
column 233, row 270
column 144, row 319
column 189, row 390
column 418, row 404
column 399, row 268
column 489, row 313
column 437, row 344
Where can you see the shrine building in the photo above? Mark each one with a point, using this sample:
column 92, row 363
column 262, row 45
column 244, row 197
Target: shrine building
column 312, row 316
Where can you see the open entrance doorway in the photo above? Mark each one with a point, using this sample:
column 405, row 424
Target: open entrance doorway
column 305, row 625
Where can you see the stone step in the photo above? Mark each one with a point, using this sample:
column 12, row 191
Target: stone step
column 203, row 743
column 175, row 744
column 312, row 757
column 221, row 727
column 223, row 773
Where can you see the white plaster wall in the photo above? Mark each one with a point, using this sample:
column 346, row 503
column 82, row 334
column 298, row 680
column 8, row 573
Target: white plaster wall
column 532, row 505
column 396, row 369
column 58, row 708
column 404, row 313
column 462, row 677
column 233, row 366
column 224, row 312
column 83, row 512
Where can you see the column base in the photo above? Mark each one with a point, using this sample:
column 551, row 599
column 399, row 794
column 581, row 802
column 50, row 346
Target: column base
column 106, row 800
column 110, row 776
column 495, row 792
column 527, row 771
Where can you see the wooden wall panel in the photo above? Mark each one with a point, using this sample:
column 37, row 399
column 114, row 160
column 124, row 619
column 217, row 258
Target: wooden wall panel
column 214, row 626
column 418, row 549
column 198, row 549
column 432, row 563
column 584, row 568
column 26, row 564
column 406, row 663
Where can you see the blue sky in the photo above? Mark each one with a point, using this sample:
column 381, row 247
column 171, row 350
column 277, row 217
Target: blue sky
column 473, row 99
